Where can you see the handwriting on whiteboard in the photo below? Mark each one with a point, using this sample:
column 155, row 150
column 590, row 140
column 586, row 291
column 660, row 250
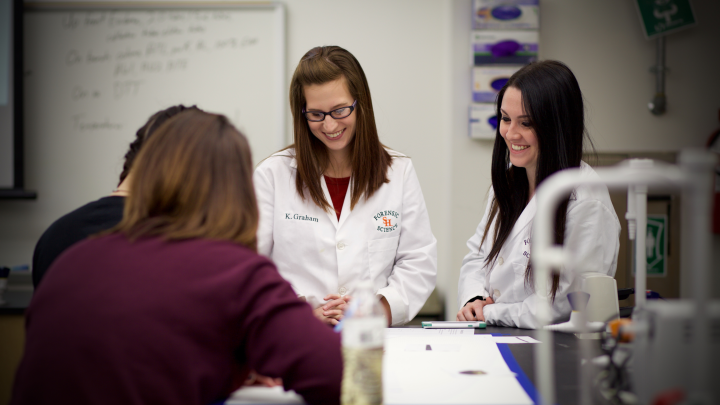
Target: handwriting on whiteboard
column 133, row 48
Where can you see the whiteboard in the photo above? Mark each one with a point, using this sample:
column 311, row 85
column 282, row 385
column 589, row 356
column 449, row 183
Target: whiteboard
column 7, row 95
column 95, row 73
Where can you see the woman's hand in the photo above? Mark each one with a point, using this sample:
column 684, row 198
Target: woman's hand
column 386, row 307
column 260, row 380
column 332, row 311
column 473, row 311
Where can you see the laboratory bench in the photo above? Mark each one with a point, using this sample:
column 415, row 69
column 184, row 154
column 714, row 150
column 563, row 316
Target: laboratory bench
column 566, row 352
column 566, row 348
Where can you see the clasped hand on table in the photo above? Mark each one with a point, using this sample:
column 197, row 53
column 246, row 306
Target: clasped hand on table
column 473, row 311
column 332, row 311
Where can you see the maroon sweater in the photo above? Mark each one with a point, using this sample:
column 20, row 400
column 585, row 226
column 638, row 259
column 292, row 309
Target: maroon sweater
column 155, row 322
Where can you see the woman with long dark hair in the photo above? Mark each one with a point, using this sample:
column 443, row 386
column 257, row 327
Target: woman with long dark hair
column 337, row 206
column 541, row 131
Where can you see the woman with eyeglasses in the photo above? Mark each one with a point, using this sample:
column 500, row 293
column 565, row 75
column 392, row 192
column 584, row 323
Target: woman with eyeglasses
column 337, row 206
column 541, row 131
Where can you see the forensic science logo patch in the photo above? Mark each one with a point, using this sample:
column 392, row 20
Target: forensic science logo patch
column 387, row 221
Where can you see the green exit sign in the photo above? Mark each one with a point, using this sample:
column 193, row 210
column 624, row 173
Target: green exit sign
column 663, row 16
column 656, row 245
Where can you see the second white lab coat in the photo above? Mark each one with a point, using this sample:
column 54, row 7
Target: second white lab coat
column 386, row 238
column 592, row 232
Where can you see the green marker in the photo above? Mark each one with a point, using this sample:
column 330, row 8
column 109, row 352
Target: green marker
column 453, row 325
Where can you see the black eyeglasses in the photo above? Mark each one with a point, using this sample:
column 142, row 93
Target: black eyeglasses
column 338, row 113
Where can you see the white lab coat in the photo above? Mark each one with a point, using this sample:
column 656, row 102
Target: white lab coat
column 591, row 236
column 386, row 238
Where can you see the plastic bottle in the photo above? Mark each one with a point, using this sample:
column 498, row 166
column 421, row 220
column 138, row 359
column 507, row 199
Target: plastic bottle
column 362, row 345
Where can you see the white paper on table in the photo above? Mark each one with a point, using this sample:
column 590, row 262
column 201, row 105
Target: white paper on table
column 391, row 333
column 433, row 376
column 414, row 375
column 514, row 339
column 264, row 395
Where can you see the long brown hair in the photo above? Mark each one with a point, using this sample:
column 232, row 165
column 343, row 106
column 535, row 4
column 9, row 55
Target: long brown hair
column 552, row 98
column 369, row 159
column 193, row 179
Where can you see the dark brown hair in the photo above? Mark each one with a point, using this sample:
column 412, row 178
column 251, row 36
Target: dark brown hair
column 552, row 99
column 369, row 159
column 142, row 135
column 195, row 182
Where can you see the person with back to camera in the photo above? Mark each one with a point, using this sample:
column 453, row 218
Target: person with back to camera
column 541, row 132
column 98, row 215
column 173, row 304
column 337, row 206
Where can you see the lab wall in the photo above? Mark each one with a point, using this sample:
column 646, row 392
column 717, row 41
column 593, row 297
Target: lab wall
column 399, row 45
column 602, row 42
column 415, row 54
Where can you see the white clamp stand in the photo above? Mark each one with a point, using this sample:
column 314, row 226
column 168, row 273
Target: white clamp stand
column 693, row 177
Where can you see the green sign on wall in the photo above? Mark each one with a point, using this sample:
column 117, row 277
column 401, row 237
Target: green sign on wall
column 656, row 245
column 663, row 16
